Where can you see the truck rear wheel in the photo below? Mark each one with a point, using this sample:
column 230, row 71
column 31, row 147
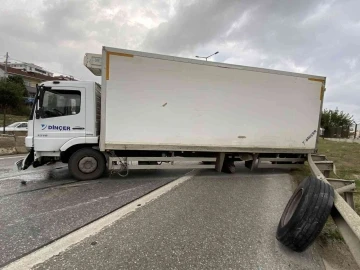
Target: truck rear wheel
column 87, row 164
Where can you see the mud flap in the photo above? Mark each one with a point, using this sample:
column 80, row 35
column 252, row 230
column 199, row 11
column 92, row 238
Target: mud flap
column 23, row 164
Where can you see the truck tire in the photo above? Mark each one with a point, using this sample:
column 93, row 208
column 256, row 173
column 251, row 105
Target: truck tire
column 87, row 164
column 228, row 167
column 305, row 214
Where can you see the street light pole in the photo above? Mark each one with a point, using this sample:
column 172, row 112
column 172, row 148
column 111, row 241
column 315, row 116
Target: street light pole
column 206, row 57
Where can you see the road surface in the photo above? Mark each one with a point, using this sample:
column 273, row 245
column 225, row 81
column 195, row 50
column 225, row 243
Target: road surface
column 52, row 204
column 211, row 221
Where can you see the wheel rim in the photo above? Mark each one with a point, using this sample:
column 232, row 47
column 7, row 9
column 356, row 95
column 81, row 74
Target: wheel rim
column 292, row 207
column 87, row 164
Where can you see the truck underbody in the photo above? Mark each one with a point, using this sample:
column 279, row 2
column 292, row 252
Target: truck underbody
column 123, row 161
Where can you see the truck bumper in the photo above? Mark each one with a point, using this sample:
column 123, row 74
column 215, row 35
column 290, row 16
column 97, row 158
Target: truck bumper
column 29, row 142
column 23, row 164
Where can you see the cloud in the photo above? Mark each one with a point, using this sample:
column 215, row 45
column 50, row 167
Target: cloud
column 318, row 37
column 59, row 33
column 193, row 24
column 313, row 36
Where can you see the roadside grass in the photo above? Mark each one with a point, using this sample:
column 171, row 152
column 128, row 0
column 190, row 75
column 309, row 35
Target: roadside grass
column 346, row 157
column 10, row 118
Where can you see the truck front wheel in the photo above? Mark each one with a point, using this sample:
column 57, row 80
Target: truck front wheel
column 87, row 164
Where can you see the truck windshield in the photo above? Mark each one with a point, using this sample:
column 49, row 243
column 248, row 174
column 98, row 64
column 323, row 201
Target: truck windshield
column 61, row 103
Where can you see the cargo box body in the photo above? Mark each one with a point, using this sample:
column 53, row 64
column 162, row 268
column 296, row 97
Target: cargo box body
column 156, row 102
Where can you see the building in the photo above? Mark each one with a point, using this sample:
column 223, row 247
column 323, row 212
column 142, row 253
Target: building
column 32, row 78
column 63, row 78
column 29, row 67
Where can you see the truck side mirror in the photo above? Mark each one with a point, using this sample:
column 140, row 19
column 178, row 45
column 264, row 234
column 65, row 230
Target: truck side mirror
column 39, row 113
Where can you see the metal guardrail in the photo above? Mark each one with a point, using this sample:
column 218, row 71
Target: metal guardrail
column 346, row 219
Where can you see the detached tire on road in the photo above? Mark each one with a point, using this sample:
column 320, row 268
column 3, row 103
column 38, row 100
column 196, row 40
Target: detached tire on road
column 305, row 214
column 87, row 164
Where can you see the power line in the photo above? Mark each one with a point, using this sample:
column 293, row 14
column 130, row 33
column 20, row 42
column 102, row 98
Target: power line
column 53, row 71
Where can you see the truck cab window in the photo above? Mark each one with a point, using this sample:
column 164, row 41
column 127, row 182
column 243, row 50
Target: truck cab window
column 61, row 103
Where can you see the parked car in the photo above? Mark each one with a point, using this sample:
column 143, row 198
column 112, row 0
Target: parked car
column 29, row 100
column 17, row 126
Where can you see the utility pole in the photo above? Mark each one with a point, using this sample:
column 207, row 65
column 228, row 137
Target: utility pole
column 6, row 63
column 356, row 124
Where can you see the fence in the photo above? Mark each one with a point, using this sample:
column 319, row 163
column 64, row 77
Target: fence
column 337, row 132
column 344, row 216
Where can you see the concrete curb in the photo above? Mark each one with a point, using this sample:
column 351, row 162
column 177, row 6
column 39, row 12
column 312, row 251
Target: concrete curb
column 10, row 144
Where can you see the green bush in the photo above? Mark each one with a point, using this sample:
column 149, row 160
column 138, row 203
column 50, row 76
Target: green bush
column 21, row 110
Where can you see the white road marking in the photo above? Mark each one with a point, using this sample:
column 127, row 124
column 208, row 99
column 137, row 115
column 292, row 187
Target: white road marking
column 10, row 157
column 43, row 254
column 73, row 206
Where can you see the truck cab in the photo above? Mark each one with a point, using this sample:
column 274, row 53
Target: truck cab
column 64, row 119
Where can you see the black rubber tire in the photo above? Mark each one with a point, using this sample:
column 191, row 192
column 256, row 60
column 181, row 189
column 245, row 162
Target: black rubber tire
column 305, row 214
column 228, row 167
column 87, row 152
column 248, row 164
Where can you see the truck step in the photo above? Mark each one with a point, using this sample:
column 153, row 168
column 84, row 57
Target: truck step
column 318, row 157
column 278, row 163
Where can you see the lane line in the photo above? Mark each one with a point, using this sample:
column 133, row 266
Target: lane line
column 43, row 254
column 37, row 189
column 73, row 206
column 1, row 158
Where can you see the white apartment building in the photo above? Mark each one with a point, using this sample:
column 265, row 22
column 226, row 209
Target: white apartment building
column 29, row 67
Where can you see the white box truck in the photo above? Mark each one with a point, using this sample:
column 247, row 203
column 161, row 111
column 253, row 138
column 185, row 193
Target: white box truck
column 156, row 111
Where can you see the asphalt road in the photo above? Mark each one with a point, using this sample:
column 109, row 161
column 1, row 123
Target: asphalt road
column 51, row 204
column 212, row 221
column 7, row 164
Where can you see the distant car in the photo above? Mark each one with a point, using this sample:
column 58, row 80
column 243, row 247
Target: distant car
column 29, row 100
column 17, row 126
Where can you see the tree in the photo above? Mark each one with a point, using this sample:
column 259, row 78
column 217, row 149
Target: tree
column 11, row 94
column 335, row 118
column 19, row 80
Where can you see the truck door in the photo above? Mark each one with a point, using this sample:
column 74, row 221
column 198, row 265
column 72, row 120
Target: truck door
column 62, row 118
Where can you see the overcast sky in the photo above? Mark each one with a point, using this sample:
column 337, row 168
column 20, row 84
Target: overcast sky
column 319, row 37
